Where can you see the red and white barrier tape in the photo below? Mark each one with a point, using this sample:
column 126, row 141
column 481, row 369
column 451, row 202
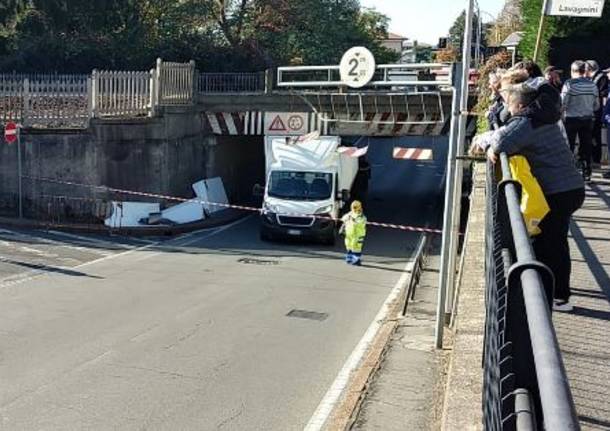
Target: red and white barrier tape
column 224, row 205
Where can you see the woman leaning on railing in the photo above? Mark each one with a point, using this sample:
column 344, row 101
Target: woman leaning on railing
column 552, row 163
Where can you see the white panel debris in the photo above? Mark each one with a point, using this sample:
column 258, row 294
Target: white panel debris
column 129, row 214
column 185, row 212
column 211, row 191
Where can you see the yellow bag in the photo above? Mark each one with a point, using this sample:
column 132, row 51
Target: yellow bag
column 534, row 206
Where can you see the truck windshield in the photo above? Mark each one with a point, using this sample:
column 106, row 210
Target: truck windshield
column 300, row 185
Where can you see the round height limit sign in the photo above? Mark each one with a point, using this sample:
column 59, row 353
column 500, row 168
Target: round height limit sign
column 357, row 67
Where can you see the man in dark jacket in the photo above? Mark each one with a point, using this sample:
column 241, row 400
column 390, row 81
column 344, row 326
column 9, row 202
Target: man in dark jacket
column 580, row 103
column 601, row 80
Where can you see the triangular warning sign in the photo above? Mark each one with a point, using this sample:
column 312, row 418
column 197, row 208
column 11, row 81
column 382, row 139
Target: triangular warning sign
column 277, row 125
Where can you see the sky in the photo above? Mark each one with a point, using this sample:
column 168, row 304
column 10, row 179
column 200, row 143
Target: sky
column 427, row 20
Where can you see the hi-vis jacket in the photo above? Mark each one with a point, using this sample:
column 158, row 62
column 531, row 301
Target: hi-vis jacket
column 355, row 231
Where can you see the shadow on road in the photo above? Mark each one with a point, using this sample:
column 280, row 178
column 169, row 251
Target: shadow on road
column 50, row 269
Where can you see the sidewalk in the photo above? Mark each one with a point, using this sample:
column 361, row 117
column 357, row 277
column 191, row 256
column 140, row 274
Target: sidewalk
column 584, row 334
column 404, row 393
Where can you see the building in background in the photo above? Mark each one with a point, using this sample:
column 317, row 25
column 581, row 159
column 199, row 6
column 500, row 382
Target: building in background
column 394, row 42
column 511, row 43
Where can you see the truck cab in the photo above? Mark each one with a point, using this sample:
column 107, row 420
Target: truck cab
column 307, row 185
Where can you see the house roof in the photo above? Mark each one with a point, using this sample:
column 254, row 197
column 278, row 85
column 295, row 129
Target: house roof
column 513, row 39
column 394, row 36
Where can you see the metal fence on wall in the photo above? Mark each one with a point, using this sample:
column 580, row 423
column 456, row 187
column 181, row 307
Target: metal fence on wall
column 525, row 383
column 176, row 82
column 122, row 94
column 45, row 100
column 70, row 101
column 223, row 83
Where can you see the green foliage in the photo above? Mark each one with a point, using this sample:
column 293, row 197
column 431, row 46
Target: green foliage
column 456, row 33
column 557, row 27
column 531, row 10
column 220, row 35
column 424, row 54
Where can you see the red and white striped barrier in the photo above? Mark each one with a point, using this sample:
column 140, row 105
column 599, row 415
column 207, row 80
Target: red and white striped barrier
column 224, row 205
column 353, row 151
column 412, row 153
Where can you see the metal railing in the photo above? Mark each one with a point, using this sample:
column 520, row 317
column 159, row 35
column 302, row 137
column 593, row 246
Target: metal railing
column 66, row 101
column 386, row 75
column 122, row 93
column 175, row 83
column 223, row 83
column 525, row 383
column 45, row 100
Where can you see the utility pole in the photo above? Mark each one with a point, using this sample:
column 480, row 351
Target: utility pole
column 453, row 190
column 545, row 5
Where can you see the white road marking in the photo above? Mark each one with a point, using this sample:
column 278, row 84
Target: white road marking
column 92, row 240
column 216, row 231
column 48, row 241
column 333, row 395
column 31, row 275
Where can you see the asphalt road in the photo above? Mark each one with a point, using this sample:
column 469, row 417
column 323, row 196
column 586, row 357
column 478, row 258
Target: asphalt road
column 212, row 330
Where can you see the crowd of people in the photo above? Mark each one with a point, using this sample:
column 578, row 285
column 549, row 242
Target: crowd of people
column 557, row 127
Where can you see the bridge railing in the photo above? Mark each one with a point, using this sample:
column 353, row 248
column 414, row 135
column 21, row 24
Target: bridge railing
column 175, row 83
column 45, row 100
column 416, row 76
column 525, row 383
column 227, row 83
column 122, row 93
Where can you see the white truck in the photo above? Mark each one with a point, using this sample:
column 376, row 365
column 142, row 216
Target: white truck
column 305, row 177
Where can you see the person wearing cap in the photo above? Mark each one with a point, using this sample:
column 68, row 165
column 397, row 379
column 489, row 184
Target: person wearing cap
column 553, row 75
column 600, row 79
column 354, row 228
column 580, row 98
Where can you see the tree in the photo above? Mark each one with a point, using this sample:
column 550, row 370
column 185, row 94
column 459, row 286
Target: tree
column 424, row 54
column 456, row 33
column 236, row 35
column 584, row 28
column 508, row 22
column 447, row 55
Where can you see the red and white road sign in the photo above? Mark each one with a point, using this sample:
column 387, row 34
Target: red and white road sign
column 412, row 153
column 10, row 132
column 353, row 151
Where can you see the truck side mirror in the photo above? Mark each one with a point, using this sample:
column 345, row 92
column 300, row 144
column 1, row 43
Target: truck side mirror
column 258, row 191
column 344, row 196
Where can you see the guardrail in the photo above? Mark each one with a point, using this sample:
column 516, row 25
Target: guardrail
column 227, row 83
column 525, row 383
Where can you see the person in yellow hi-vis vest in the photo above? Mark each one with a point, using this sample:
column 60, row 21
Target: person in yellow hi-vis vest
column 354, row 228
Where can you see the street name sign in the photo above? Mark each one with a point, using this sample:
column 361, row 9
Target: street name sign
column 357, row 67
column 580, row 8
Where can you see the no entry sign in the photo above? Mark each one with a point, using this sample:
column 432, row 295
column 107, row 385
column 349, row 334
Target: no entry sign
column 10, row 132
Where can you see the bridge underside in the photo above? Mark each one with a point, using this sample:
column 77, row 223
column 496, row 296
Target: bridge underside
column 388, row 114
